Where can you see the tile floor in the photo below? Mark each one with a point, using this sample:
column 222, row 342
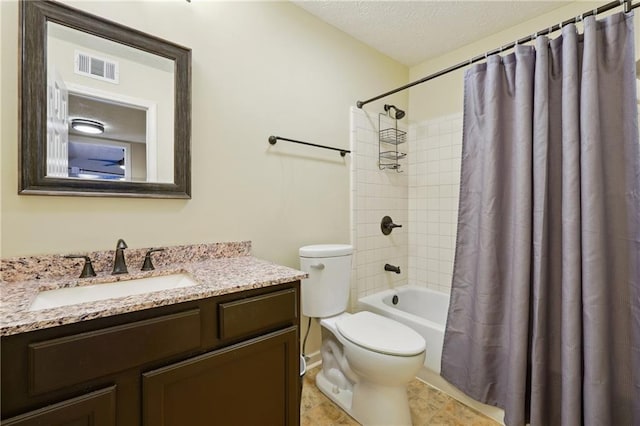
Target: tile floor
column 428, row 405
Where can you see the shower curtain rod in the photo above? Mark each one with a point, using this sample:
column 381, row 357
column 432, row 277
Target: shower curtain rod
column 628, row 6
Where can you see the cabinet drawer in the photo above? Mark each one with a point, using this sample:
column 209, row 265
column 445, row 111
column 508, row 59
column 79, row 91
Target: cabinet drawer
column 245, row 317
column 54, row 364
column 96, row 408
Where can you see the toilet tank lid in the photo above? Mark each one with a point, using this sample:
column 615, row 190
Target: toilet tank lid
column 381, row 334
column 326, row 250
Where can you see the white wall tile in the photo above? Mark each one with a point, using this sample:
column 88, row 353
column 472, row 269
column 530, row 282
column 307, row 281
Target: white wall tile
column 379, row 193
column 424, row 199
column 436, row 188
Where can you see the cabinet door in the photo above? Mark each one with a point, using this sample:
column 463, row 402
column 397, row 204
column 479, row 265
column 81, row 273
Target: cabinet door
column 93, row 409
column 251, row 383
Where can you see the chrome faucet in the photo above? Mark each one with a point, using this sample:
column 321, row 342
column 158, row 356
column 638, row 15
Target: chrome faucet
column 119, row 264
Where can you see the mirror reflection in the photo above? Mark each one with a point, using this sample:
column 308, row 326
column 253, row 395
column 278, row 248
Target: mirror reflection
column 110, row 110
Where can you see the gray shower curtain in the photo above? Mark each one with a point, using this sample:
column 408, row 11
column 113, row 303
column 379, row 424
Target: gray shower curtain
column 544, row 319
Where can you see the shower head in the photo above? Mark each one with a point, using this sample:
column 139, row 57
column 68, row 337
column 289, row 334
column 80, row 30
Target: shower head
column 399, row 113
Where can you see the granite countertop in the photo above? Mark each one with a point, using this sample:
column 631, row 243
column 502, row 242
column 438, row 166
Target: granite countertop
column 214, row 277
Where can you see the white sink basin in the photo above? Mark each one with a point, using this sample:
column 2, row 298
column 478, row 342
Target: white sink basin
column 91, row 293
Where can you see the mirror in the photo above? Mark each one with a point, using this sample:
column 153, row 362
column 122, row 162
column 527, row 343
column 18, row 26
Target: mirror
column 105, row 109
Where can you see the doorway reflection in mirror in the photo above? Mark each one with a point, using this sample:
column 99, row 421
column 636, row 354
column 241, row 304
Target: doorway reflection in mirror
column 128, row 91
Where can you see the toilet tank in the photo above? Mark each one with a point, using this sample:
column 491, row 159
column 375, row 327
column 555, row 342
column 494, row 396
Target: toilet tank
column 326, row 292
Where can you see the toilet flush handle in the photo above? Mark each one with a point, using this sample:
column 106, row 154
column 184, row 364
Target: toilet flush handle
column 319, row 266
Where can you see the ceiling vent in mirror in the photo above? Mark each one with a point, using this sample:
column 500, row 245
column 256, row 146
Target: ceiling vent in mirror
column 96, row 67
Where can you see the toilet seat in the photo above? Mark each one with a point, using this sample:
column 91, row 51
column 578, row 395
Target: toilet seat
column 379, row 334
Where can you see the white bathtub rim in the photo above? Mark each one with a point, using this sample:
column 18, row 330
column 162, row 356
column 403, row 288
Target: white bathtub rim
column 376, row 299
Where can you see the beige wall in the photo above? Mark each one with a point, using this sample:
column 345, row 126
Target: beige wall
column 259, row 69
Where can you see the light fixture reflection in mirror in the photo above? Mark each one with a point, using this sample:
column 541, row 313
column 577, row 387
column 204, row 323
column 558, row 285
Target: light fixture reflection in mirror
column 87, row 126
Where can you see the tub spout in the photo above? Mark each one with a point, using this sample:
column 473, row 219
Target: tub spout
column 391, row 268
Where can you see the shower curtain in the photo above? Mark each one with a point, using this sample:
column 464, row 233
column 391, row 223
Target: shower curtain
column 544, row 319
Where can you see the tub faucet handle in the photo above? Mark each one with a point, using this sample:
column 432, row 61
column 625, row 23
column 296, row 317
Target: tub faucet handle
column 387, row 225
column 87, row 269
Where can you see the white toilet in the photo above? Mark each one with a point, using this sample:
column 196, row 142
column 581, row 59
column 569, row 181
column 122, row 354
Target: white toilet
column 367, row 359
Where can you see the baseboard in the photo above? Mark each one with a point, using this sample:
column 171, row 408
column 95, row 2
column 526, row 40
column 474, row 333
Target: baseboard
column 433, row 379
column 313, row 359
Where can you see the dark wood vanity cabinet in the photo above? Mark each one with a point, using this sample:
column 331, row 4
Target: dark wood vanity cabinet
column 248, row 384
column 226, row 360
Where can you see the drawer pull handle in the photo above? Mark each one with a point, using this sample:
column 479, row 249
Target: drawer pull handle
column 319, row 266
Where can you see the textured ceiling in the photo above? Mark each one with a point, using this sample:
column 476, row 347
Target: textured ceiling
column 413, row 31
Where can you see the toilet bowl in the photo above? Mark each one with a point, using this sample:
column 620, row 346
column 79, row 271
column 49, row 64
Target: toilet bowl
column 367, row 359
column 378, row 361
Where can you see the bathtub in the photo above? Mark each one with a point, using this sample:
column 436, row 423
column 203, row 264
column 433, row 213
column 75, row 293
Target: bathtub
column 420, row 308
column 425, row 311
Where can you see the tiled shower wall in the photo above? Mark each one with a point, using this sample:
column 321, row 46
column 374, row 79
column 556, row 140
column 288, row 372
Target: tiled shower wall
column 423, row 198
column 435, row 148
column 376, row 193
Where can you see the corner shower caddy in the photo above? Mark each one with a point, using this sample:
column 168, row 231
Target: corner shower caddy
column 388, row 141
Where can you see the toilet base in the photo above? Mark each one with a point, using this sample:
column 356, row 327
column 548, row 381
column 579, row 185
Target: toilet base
column 341, row 397
column 369, row 404
column 380, row 405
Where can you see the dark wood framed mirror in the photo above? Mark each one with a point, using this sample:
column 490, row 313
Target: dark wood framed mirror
column 134, row 91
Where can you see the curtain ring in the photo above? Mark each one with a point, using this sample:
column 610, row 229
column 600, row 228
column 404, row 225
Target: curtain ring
column 626, row 5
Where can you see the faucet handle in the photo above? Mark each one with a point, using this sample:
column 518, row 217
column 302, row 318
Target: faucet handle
column 87, row 269
column 148, row 265
column 387, row 225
